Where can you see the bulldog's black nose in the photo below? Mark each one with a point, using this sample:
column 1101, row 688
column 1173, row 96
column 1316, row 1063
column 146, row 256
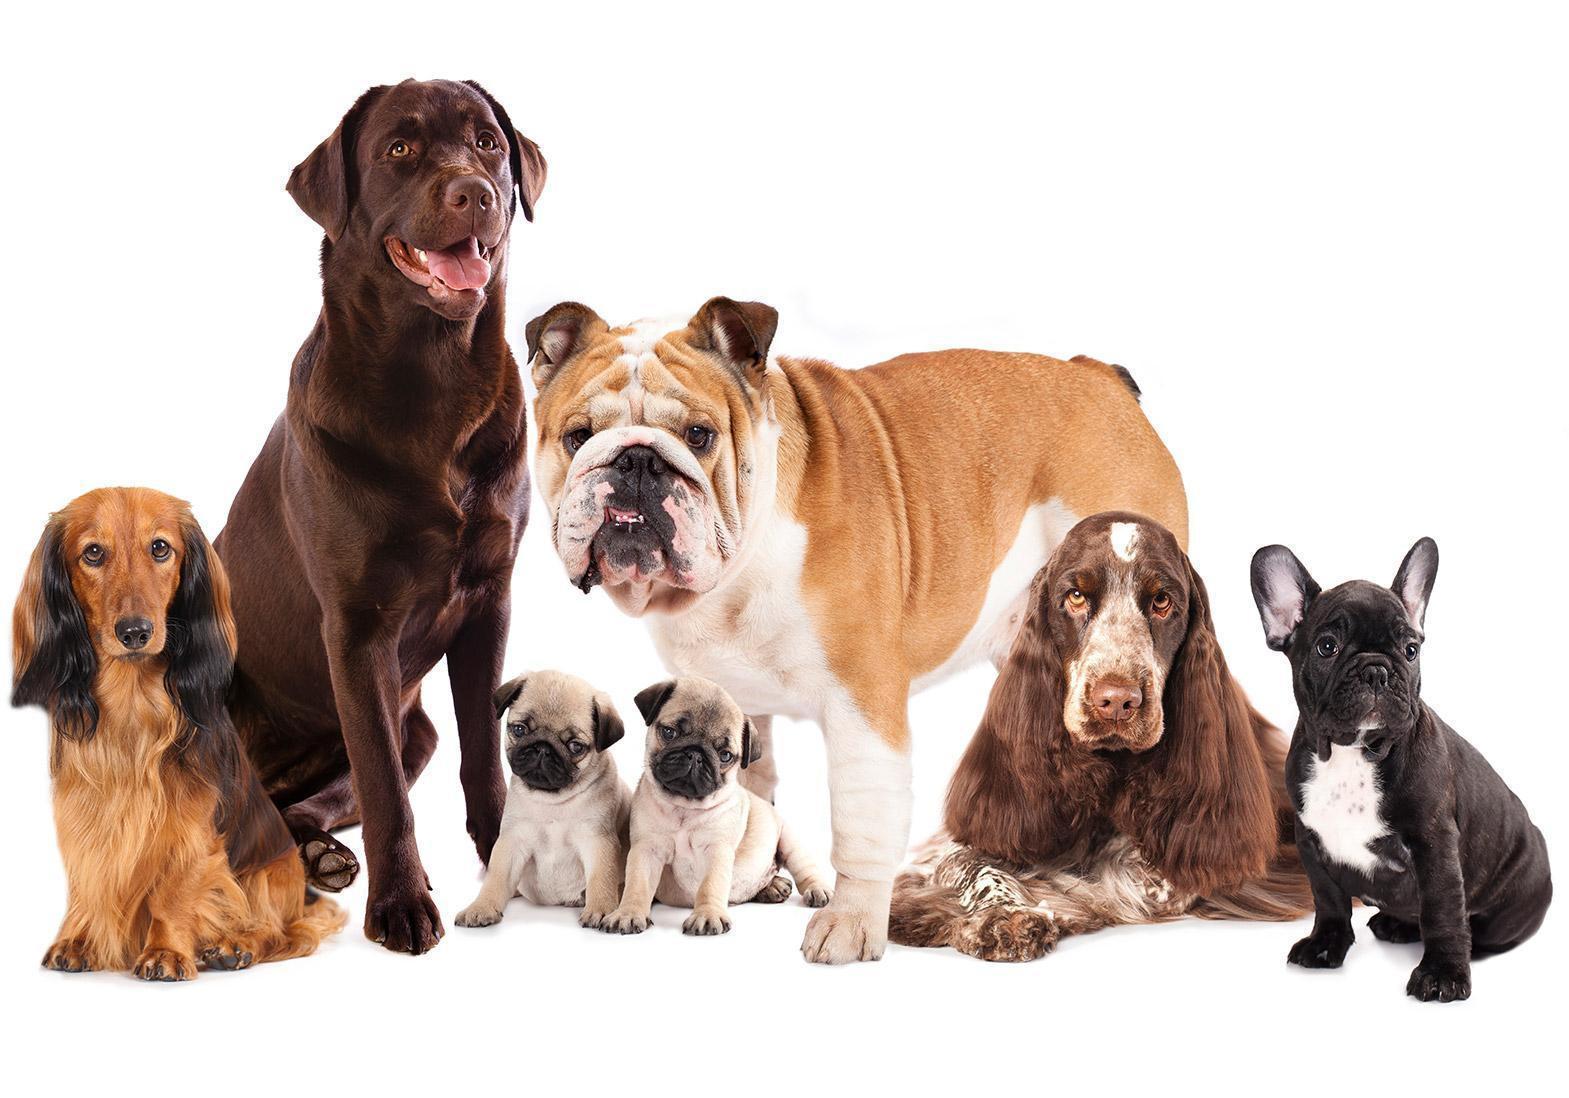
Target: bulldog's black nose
column 134, row 633
column 640, row 459
column 1377, row 677
column 469, row 190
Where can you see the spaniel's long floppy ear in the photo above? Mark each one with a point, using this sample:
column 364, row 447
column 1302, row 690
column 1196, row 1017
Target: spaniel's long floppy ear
column 1203, row 812
column 1025, row 791
column 526, row 161
column 324, row 183
column 52, row 654
column 201, row 645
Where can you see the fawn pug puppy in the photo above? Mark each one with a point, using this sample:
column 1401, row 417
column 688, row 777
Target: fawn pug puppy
column 563, row 834
column 699, row 838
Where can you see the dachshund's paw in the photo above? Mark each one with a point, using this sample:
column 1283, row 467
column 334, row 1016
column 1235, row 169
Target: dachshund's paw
column 776, row 891
column 404, row 920
column 1009, row 934
column 593, row 918
column 228, row 957
column 478, row 913
column 329, row 865
column 68, row 955
column 1324, row 948
column 624, row 921
column 164, row 964
column 1387, row 928
column 1440, row 981
column 707, row 923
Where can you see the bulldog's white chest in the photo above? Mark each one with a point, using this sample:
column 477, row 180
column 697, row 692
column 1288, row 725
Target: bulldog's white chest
column 1340, row 804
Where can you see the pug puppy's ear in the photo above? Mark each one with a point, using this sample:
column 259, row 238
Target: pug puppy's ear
column 507, row 693
column 651, row 699
column 1414, row 582
column 751, row 749
column 608, row 728
column 1283, row 591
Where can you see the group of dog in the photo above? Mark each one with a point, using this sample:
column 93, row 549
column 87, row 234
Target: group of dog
column 219, row 711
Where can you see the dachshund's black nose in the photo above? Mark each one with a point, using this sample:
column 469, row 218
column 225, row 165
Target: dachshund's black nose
column 641, row 459
column 134, row 633
column 1377, row 677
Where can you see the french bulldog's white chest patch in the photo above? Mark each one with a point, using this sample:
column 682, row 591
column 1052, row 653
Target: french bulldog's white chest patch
column 1340, row 804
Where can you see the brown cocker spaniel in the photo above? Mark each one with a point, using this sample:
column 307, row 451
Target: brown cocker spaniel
column 1119, row 774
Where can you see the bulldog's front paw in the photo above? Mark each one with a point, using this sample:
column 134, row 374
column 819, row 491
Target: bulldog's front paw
column 1324, row 948
column 591, row 918
column 624, row 921
column 479, row 913
column 68, row 955
column 707, row 922
column 853, row 927
column 1442, row 981
column 404, row 920
column 164, row 964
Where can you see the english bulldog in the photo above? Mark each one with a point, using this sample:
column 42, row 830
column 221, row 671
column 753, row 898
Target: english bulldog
column 821, row 541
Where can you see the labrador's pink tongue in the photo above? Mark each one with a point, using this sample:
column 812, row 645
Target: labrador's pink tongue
column 460, row 266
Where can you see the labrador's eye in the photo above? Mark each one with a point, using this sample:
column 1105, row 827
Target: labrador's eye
column 574, row 440
column 1412, row 650
column 399, row 149
column 486, row 140
column 575, row 748
column 93, row 555
column 161, row 550
column 1327, row 647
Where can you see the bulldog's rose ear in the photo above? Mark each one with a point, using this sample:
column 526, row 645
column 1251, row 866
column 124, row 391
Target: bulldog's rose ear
column 1283, row 590
column 1414, row 582
column 608, row 728
column 323, row 183
column 651, row 699
column 557, row 334
column 507, row 693
column 740, row 332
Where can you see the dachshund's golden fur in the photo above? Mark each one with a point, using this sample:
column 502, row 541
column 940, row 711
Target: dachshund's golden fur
column 174, row 857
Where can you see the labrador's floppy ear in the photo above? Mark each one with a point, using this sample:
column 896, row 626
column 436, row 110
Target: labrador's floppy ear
column 751, row 749
column 740, row 333
column 201, row 645
column 323, row 184
column 52, row 656
column 525, row 159
column 608, row 728
column 1283, row 591
column 1414, row 582
column 507, row 693
column 651, row 699
column 557, row 334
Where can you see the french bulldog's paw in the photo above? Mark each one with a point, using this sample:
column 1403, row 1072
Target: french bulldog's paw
column 1387, row 928
column 404, row 920
column 1440, row 981
column 847, row 931
column 707, row 923
column 1324, row 948
column 164, row 964
column 329, row 865
column 621, row 921
column 817, row 896
column 1007, row 934
column 593, row 918
column 228, row 957
column 67, row 955
column 776, row 891
column 478, row 913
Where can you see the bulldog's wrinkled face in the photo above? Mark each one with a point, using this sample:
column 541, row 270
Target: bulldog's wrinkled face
column 1119, row 591
column 557, row 729
column 1354, row 649
column 656, row 446
column 698, row 739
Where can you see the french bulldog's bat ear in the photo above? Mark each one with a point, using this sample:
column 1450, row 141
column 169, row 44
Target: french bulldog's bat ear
column 323, row 184
column 651, row 699
column 525, row 159
column 507, row 693
column 608, row 728
column 740, row 332
column 557, row 334
column 1282, row 589
column 751, row 748
column 1414, row 582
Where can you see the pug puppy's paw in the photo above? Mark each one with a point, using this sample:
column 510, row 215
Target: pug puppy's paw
column 1440, row 981
column 817, row 896
column 776, row 891
column 707, row 922
column 621, row 921
column 593, row 918
column 478, row 913
column 582, row 898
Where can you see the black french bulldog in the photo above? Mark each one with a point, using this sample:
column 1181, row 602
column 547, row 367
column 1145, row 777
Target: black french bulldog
column 1393, row 806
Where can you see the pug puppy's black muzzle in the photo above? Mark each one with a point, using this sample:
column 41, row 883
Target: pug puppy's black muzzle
column 686, row 772
column 540, row 766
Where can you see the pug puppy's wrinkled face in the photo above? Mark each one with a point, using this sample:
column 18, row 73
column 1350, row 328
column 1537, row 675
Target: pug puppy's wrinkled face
column 557, row 729
column 698, row 739
column 656, row 449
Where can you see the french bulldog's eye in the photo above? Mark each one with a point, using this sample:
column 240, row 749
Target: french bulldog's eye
column 575, row 748
column 667, row 733
column 93, row 555
column 574, row 440
column 160, row 549
column 399, row 149
column 727, row 757
column 486, row 140
column 1327, row 647
column 1412, row 650
column 699, row 438
column 1160, row 605
column 1076, row 601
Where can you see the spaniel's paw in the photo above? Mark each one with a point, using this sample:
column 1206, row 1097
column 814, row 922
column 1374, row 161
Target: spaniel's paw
column 1387, row 928
column 164, row 964
column 1007, row 934
column 776, row 891
column 68, row 955
column 1440, row 981
column 1324, row 948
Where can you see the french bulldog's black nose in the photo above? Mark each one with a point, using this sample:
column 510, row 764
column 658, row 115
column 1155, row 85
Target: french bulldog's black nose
column 134, row 633
column 467, row 191
column 1377, row 678
column 640, row 459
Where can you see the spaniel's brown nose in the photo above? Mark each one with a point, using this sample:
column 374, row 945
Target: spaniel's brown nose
column 1115, row 700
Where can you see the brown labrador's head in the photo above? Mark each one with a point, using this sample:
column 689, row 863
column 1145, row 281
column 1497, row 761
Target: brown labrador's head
column 415, row 189
column 122, row 574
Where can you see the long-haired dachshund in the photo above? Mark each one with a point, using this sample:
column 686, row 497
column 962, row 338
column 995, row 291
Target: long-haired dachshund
column 174, row 855
column 1119, row 774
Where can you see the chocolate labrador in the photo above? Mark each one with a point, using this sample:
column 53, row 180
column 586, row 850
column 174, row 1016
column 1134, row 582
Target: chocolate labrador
column 376, row 531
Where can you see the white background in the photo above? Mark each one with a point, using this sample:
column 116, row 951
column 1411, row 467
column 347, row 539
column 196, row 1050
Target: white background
column 1330, row 245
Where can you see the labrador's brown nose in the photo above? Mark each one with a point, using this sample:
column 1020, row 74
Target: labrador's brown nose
column 469, row 192
column 1115, row 700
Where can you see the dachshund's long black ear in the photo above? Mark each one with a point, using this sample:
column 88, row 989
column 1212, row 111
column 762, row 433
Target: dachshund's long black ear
column 751, row 747
column 52, row 653
column 608, row 728
column 324, row 183
column 651, row 699
column 201, row 644
column 527, row 162
column 507, row 693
